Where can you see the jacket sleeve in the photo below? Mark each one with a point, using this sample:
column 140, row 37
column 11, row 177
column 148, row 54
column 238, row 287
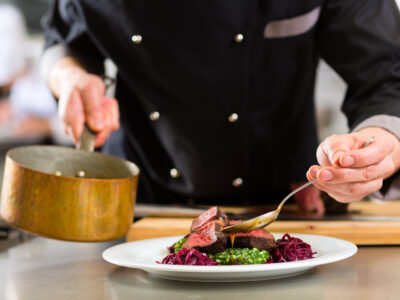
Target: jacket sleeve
column 67, row 34
column 360, row 39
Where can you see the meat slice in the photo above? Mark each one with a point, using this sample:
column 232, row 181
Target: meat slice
column 211, row 215
column 208, row 238
column 260, row 239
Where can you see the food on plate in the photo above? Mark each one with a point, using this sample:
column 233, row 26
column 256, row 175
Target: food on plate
column 214, row 214
column 291, row 249
column 207, row 239
column 240, row 256
column 189, row 257
column 259, row 239
column 177, row 246
column 207, row 245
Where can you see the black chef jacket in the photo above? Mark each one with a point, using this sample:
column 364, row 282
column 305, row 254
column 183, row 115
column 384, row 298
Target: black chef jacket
column 216, row 97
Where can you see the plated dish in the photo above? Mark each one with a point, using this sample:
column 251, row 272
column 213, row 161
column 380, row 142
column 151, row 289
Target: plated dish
column 144, row 254
column 207, row 244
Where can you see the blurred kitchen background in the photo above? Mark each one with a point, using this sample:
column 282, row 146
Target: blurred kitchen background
column 28, row 114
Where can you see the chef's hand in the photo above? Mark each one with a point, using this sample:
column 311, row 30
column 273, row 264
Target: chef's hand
column 348, row 172
column 82, row 100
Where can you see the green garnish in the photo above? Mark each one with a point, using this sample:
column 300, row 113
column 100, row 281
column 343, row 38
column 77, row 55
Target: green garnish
column 240, row 256
column 178, row 245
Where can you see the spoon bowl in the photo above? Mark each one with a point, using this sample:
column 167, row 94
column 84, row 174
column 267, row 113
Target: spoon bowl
column 265, row 219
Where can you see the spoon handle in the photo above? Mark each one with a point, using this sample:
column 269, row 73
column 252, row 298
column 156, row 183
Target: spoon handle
column 314, row 180
column 295, row 191
column 86, row 142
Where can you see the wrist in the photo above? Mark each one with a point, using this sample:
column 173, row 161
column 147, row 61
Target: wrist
column 392, row 141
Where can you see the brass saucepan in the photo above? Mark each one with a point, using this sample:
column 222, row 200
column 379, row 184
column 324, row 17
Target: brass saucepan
column 69, row 194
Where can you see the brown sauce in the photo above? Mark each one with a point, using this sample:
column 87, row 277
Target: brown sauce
column 232, row 238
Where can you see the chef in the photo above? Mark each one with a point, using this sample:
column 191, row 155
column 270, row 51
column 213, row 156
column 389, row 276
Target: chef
column 214, row 99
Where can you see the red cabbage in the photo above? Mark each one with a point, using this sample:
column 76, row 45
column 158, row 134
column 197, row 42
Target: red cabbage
column 290, row 249
column 190, row 257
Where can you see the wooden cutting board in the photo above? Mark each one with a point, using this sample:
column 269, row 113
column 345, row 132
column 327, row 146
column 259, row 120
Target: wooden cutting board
column 358, row 232
column 365, row 232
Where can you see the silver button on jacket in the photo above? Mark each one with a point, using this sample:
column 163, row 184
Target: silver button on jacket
column 233, row 85
column 239, row 38
column 174, row 173
column 154, row 116
column 237, row 182
column 136, row 38
column 233, row 118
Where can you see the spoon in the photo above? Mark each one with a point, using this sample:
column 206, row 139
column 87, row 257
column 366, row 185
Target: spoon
column 269, row 217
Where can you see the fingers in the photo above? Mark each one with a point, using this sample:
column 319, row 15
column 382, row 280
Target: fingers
column 92, row 94
column 111, row 105
column 322, row 158
column 86, row 103
column 347, row 151
column 356, row 190
column 373, row 154
column 351, row 191
column 111, row 120
column 72, row 114
column 349, row 171
column 337, row 175
column 335, row 146
column 347, row 185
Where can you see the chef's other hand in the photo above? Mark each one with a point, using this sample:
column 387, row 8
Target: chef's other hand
column 82, row 100
column 348, row 172
column 308, row 199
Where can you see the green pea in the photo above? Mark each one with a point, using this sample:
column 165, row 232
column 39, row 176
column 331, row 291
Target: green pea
column 178, row 245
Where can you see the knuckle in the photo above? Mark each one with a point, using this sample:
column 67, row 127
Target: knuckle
column 355, row 188
column 390, row 168
column 379, row 185
column 94, row 83
column 382, row 154
column 330, row 140
column 339, row 198
column 320, row 153
column 89, row 86
column 96, row 80
column 114, row 101
column 332, row 137
column 356, row 198
column 370, row 172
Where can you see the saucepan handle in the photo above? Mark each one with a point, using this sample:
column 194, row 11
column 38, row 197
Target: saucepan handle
column 86, row 142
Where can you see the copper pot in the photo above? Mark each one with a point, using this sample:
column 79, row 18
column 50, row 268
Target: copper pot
column 69, row 194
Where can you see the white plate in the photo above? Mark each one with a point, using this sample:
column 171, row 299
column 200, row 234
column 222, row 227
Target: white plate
column 144, row 254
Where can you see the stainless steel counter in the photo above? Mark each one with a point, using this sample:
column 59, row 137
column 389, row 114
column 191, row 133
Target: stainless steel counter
column 48, row 269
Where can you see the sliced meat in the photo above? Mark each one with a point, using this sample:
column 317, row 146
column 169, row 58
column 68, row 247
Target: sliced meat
column 211, row 215
column 171, row 249
column 260, row 239
column 208, row 239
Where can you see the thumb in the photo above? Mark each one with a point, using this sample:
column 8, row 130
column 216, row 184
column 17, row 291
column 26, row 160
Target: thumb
column 92, row 97
column 337, row 145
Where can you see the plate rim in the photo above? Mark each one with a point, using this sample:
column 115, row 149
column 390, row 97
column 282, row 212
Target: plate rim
column 308, row 263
